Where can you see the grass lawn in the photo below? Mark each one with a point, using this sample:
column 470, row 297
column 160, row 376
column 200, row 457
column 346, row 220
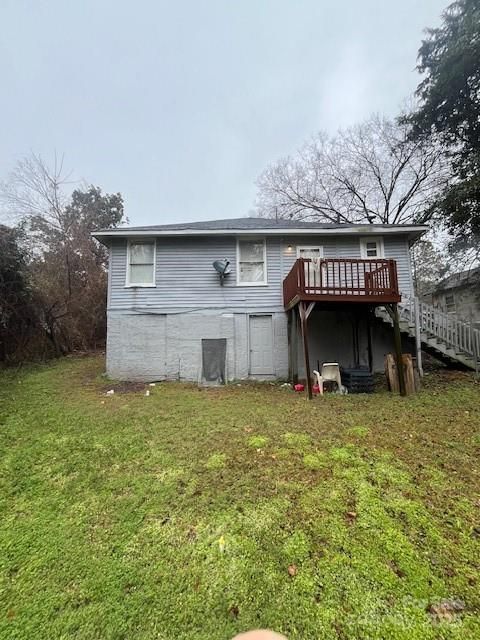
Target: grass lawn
column 200, row 513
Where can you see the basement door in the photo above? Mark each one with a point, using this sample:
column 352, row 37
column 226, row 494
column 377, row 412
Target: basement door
column 261, row 345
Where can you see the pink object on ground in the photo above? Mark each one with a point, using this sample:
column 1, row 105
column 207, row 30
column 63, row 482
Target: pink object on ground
column 299, row 387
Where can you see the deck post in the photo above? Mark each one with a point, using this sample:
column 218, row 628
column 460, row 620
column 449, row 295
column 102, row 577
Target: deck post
column 369, row 340
column 292, row 346
column 475, row 349
column 418, row 336
column 355, row 341
column 304, row 326
column 398, row 349
column 289, row 339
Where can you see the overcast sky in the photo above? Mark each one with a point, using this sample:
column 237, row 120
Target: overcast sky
column 180, row 105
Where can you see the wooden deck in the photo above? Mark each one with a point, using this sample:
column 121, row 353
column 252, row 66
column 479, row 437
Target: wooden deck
column 341, row 280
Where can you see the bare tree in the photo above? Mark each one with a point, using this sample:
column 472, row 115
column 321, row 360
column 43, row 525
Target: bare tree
column 430, row 263
column 67, row 268
column 370, row 173
column 34, row 189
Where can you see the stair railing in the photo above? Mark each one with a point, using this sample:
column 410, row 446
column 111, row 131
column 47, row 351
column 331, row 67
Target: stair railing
column 447, row 327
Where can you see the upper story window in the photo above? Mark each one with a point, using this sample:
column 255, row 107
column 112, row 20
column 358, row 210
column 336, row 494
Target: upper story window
column 251, row 262
column 371, row 248
column 141, row 263
column 309, row 252
column 450, row 303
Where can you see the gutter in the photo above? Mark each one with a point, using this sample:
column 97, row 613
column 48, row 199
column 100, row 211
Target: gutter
column 415, row 231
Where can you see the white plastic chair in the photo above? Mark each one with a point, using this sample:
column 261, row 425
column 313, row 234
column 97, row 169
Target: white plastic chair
column 330, row 372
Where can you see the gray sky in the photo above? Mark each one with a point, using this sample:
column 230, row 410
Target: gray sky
column 180, row 105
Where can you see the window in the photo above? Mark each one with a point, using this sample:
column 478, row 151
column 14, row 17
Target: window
column 309, row 252
column 450, row 303
column 371, row 248
column 141, row 264
column 251, row 262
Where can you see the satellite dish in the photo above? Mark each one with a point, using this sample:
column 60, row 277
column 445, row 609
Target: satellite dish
column 222, row 268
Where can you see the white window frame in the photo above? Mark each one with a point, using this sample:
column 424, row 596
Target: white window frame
column 263, row 283
column 131, row 241
column 380, row 247
column 452, row 305
column 310, row 248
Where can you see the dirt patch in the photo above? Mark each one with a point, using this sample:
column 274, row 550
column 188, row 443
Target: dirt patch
column 124, row 387
column 445, row 377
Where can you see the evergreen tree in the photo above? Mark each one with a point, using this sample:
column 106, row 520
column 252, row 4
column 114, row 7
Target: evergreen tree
column 449, row 111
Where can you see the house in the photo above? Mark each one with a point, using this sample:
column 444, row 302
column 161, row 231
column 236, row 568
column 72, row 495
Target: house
column 297, row 294
column 459, row 294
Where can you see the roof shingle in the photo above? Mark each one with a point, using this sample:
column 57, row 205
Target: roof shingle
column 244, row 224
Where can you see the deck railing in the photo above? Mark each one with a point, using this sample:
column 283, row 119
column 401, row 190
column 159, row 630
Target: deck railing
column 345, row 280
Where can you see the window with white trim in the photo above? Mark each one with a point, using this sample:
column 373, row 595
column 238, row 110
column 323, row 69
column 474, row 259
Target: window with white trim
column 141, row 263
column 450, row 303
column 371, row 248
column 251, row 262
column 309, row 252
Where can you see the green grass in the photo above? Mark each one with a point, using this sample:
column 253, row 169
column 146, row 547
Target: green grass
column 178, row 515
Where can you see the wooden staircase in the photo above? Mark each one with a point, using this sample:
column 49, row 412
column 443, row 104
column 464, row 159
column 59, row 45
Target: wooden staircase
column 443, row 335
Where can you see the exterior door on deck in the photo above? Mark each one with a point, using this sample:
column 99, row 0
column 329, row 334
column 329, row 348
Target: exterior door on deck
column 261, row 345
column 312, row 271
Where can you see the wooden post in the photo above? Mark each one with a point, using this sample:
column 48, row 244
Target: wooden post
column 418, row 336
column 369, row 341
column 474, row 344
column 355, row 341
column 398, row 350
column 294, row 346
column 304, row 326
column 476, row 354
column 289, row 338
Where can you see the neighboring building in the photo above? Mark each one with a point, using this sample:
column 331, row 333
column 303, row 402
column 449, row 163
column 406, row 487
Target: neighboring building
column 166, row 301
column 459, row 294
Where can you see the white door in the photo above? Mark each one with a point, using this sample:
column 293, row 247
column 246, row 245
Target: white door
column 312, row 273
column 261, row 345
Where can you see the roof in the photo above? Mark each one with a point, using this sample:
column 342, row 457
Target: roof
column 267, row 226
column 241, row 224
column 460, row 279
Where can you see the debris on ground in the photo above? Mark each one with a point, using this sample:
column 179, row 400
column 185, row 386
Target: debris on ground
column 234, row 611
column 123, row 387
column 446, row 610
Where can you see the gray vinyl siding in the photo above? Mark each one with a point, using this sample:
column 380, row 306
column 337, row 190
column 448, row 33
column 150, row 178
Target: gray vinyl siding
column 397, row 249
column 185, row 278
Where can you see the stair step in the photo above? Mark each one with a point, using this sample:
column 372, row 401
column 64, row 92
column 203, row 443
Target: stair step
column 429, row 340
